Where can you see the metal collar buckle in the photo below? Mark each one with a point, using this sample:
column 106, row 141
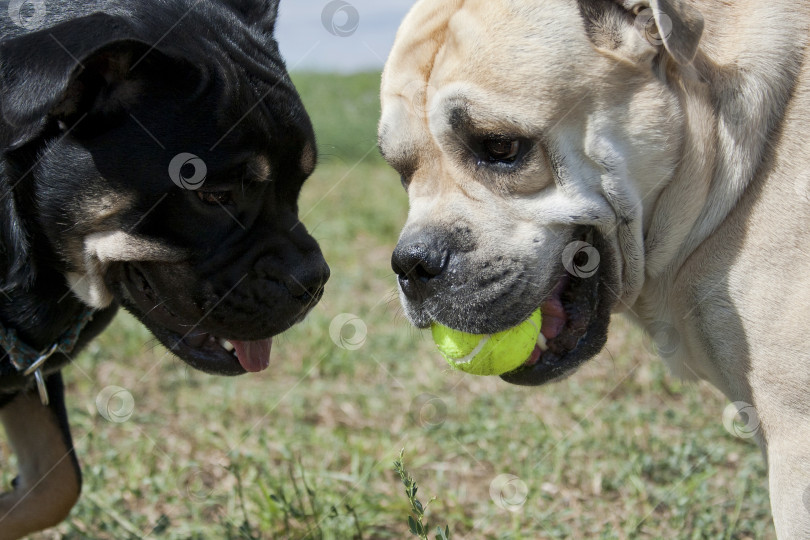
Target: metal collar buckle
column 36, row 369
column 29, row 361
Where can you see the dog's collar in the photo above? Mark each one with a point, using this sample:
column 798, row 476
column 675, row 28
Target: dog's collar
column 30, row 361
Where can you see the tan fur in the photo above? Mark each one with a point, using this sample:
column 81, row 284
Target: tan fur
column 101, row 249
column 48, row 485
column 308, row 161
column 695, row 167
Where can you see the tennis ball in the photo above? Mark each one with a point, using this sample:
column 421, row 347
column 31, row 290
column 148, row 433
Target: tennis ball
column 489, row 354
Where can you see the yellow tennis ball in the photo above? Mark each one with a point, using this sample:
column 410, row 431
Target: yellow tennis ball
column 488, row 354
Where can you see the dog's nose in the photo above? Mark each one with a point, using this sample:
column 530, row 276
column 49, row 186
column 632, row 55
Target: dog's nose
column 308, row 282
column 417, row 264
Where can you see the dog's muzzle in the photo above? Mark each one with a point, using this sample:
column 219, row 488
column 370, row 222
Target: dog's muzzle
column 445, row 279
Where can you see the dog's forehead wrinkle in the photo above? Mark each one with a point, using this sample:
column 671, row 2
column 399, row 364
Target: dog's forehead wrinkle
column 401, row 146
column 474, row 44
column 406, row 83
column 387, row 141
column 402, row 157
column 469, row 110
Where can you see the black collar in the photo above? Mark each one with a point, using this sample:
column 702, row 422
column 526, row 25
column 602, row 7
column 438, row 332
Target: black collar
column 30, row 361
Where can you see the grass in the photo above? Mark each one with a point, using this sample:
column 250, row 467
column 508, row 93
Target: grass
column 305, row 450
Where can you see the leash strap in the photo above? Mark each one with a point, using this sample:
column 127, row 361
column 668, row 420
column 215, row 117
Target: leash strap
column 30, row 361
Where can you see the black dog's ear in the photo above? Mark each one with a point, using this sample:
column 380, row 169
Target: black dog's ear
column 16, row 267
column 112, row 79
column 35, row 70
column 260, row 13
column 83, row 72
column 80, row 76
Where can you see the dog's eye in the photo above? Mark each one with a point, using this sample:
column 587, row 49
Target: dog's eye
column 216, row 198
column 501, row 150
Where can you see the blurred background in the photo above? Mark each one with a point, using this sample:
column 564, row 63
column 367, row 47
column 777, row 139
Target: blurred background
column 305, row 450
column 359, row 35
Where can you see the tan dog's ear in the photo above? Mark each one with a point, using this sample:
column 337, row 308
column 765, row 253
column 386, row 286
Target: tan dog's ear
column 638, row 29
column 680, row 27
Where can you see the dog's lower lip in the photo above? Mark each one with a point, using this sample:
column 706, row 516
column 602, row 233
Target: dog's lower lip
column 196, row 340
column 534, row 357
column 565, row 323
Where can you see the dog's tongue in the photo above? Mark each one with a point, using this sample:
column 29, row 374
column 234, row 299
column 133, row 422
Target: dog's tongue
column 554, row 316
column 253, row 355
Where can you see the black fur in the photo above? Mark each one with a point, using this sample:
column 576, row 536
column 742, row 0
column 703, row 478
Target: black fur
column 77, row 98
column 94, row 106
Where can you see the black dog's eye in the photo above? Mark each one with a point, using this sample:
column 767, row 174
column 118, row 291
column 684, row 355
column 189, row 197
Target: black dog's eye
column 501, row 150
column 216, row 198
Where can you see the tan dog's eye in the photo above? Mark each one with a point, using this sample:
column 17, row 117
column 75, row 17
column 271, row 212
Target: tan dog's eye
column 502, row 150
column 216, row 198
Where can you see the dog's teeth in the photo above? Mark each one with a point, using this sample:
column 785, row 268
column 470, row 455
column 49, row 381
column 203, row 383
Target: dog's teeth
column 227, row 345
column 542, row 343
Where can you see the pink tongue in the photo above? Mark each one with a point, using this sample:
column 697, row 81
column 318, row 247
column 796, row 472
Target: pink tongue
column 554, row 317
column 254, row 355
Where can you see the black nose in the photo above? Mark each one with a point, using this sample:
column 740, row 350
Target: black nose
column 417, row 264
column 307, row 283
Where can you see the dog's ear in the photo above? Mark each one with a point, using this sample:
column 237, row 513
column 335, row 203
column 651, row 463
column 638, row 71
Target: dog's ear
column 78, row 77
column 638, row 29
column 36, row 68
column 82, row 73
column 679, row 27
column 16, row 267
column 259, row 13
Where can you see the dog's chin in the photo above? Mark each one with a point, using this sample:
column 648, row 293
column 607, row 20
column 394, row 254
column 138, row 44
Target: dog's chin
column 192, row 343
column 209, row 354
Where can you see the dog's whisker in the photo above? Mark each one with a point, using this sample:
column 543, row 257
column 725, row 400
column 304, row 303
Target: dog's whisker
column 158, row 305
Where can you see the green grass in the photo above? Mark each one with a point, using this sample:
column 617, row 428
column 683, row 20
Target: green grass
column 344, row 110
column 306, row 450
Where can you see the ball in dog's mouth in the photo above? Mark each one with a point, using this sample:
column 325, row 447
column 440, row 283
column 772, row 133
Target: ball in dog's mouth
column 560, row 332
column 574, row 329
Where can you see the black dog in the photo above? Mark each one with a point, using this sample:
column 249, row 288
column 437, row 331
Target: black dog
column 151, row 156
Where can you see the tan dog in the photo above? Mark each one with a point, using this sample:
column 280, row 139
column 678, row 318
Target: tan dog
column 592, row 157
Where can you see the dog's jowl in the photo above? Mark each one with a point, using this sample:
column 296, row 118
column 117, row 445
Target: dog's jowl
column 151, row 157
column 592, row 157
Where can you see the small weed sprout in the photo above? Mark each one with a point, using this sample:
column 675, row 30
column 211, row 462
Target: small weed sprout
column 417, row 525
